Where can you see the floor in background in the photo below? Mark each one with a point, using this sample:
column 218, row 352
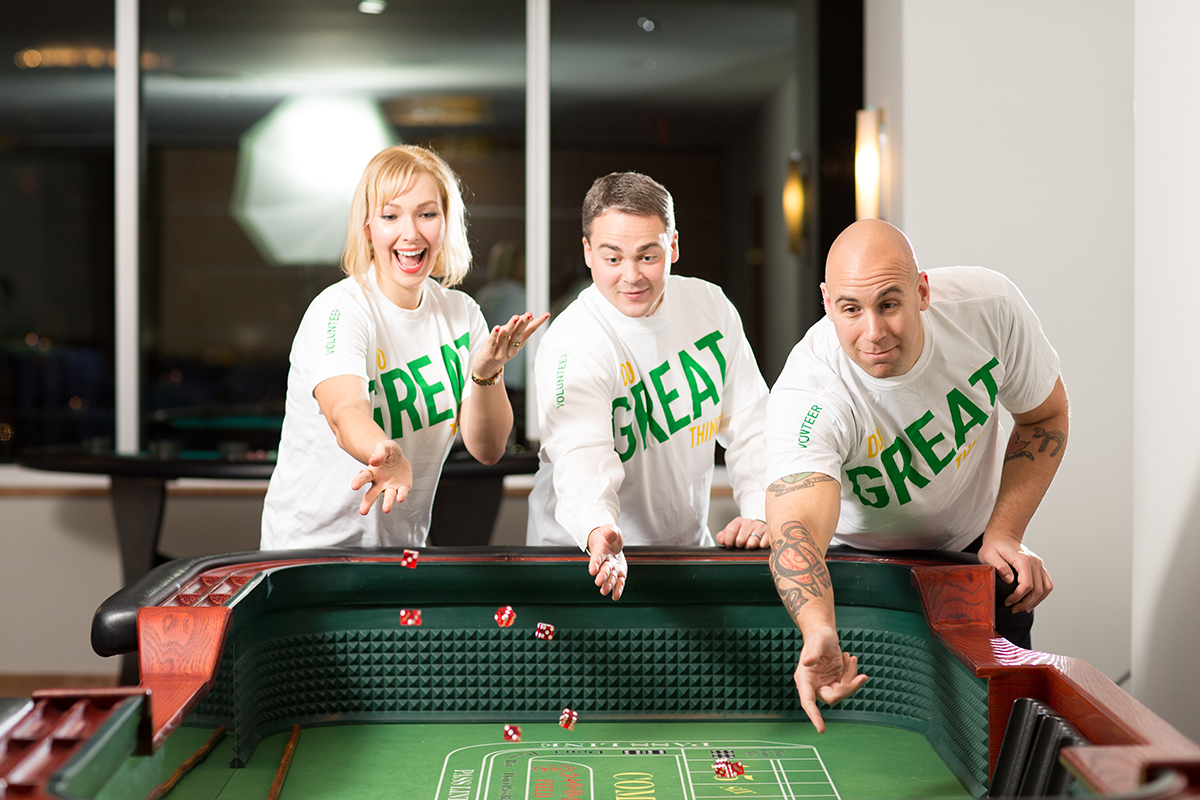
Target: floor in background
column 25, row 685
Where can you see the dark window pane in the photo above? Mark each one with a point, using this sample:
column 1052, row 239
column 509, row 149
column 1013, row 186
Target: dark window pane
column 711, row 99
column 56, row 224
column 223, row 299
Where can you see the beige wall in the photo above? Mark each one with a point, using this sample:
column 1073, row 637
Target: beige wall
column 1165, row 425
column 1012, row 132
column 1017, row 147
column 58, row 561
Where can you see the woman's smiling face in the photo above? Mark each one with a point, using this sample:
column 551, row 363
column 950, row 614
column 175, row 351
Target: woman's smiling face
column 406, row 234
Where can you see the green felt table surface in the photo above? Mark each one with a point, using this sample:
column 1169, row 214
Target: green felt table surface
column 615, row 761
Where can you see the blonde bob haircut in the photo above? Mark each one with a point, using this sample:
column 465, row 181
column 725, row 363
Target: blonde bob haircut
column 388, row 175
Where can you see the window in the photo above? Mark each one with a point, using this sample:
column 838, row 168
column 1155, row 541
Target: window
column 56, row 224
column 713, row 98
column 223, row 298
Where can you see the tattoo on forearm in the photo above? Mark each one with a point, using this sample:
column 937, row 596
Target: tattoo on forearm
column 794, row 483
column 796, row 559
column 1016, row 449
column 1058, row 437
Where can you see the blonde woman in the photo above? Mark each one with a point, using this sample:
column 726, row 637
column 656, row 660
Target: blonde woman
column 386, row 367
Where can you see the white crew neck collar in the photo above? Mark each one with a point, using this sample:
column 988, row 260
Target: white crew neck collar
column 617, row 319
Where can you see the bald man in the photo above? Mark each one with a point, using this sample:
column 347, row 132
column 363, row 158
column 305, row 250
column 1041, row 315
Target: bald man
column 883, row 433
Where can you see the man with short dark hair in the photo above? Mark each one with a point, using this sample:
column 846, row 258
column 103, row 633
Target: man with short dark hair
column 884, row 435
column 636, row 380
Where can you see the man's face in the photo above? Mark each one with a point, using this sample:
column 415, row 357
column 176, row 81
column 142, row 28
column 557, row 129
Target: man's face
column 630, row 257
column 875, row 304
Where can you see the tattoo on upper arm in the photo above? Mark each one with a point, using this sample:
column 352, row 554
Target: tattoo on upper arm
column 1019, row 448
column 1058, row 437
column 796, row 559
column 794, row 483
column 1016, row 448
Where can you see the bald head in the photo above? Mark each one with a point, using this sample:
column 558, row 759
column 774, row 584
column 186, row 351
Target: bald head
column 866, row 246
column 874, row 294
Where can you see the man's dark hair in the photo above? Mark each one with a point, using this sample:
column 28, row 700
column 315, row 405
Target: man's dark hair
column 630, row 193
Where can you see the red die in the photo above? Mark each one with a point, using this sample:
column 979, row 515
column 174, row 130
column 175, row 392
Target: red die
column 409, row 559
column 567, row 720
column 728, row 769
column 544, row 630
column 410, row 616
column 505, row 616
column 512, row 733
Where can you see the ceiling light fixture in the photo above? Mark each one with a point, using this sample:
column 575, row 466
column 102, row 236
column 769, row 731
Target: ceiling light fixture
column 372, row 6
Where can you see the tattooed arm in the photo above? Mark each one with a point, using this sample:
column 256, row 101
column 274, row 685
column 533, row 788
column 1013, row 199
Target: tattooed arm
column 1035, row 450
column 802, row 513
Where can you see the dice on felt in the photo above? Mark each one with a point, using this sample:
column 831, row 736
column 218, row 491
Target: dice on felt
column 410, row 616
column 728, row 769
column 409, row 559
column 567, row 720
column 544, row 630
column 512, row 733
column 505, row 616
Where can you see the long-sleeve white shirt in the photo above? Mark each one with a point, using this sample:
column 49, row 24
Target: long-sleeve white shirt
column 629, row 409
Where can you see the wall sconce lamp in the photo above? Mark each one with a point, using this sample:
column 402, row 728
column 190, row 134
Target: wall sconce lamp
column 869, row 153
column 793, row 203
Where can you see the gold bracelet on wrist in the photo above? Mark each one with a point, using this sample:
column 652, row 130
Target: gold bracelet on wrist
column 487, row 381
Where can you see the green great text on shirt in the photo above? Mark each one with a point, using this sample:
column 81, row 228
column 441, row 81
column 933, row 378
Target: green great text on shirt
column 417, row 385
column 640, row 404
column 897, row 459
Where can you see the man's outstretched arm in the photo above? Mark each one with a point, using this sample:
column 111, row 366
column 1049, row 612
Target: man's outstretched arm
column 1035, row 450
column 802, row 513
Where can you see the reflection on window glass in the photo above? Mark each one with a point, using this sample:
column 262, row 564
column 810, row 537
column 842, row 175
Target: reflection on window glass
column 706, row 99
column 711, row 98
column 261, row 118
column 56, row 224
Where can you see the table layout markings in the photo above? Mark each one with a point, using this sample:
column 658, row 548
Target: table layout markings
column 785, row 774
column 685, row 775
column 828, row 777
column 779, row 772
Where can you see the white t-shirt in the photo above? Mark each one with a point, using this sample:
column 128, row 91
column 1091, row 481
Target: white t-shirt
column 918, row 456
column 629, row 408
column 417, row 366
